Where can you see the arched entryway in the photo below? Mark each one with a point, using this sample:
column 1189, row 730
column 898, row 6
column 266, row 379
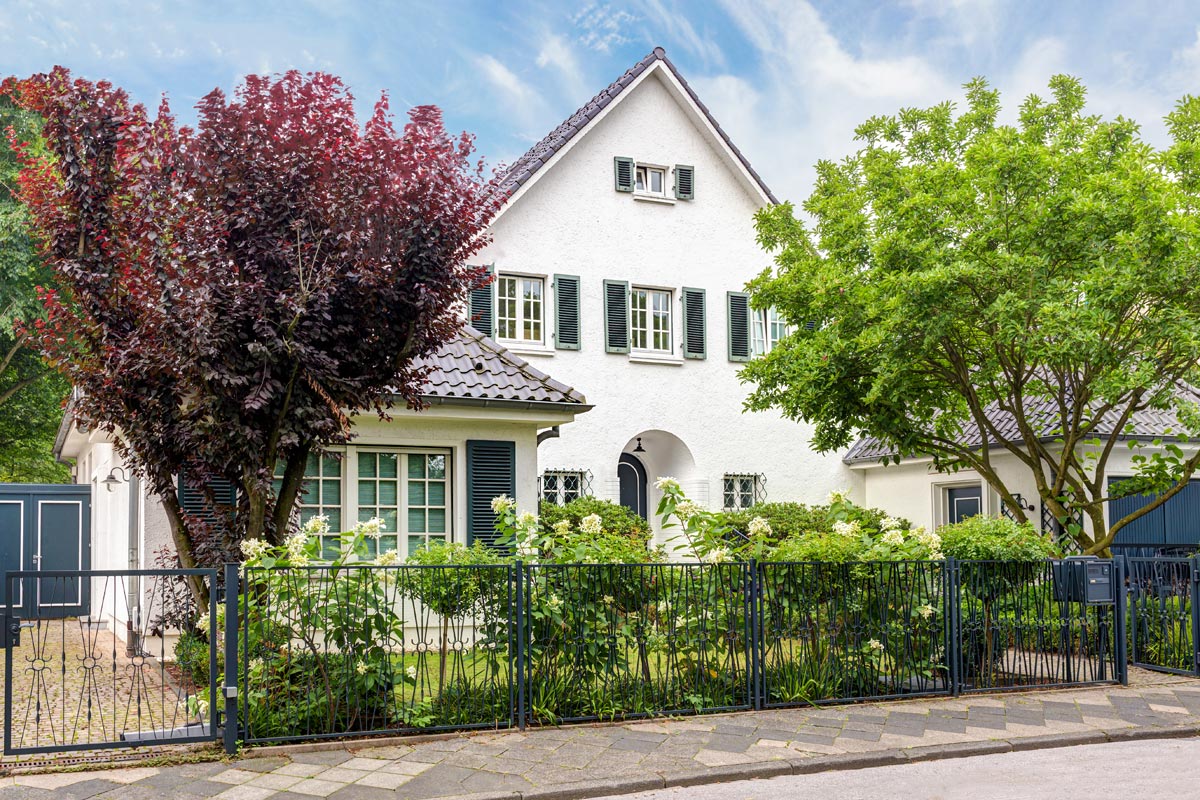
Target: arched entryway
column 631, row 473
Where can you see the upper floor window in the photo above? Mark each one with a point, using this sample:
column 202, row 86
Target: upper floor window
column 768, row 328
column 650, row 180
column 561, row 486
column 520, row 309
column 650, row 319
column 742, row 491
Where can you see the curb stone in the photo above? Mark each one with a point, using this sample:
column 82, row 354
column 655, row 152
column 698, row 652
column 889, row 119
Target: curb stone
column 935, row 752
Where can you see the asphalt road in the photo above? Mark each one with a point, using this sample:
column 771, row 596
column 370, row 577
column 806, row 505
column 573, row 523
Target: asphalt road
column 1152, row 769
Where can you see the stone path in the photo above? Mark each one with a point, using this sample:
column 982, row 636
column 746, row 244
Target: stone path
column 585, row 761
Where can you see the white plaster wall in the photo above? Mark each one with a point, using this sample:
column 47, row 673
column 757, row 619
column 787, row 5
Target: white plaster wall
column 571, row 221
column 913, row 490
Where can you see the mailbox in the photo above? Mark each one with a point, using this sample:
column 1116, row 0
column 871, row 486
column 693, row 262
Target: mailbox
column 1084, row 579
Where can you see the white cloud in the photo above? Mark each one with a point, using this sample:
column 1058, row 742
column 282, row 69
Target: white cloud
column 601, row 27
column 679, row 30
column 556, row 53
column 525, row 102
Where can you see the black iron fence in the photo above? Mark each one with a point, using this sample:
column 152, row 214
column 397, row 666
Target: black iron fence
column 315, row 652
column 366, row 650
column 1164, row 613
column 91, row 659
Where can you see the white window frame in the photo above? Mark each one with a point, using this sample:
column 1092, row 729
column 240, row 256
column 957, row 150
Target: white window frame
column 757, row 490
column 643, row 172
column 651, row 314
column 767, row 328
column 552, row 489
column 520, row 319
column 349, row 499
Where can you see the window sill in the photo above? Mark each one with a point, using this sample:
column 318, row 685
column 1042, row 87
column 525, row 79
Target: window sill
column 526, row 349
column 654, row 198
column 656, row 358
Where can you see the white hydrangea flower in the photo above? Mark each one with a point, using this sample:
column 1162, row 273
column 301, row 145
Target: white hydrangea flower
column 256, row 663
column 608, row 600
column 562, row 528
column 760, row 527
column 253, row 549
column 718, row 555
column 202, row 624
column 686, row 509
column 527, row 519
column 925, row 611
column 894, row 538
column 316, row 526
column 361, row 669
column 889, row 524
column 591, row 525
column 875, row 645
column 387, row 559
column 554, row 602
column 846, row 528
column 372, row 527
column 837, row 497
column 502, row 503
column 411, row 672
column 665, row 484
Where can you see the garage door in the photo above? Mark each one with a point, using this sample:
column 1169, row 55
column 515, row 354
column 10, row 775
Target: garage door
column 46, row 528
column 1176, row 523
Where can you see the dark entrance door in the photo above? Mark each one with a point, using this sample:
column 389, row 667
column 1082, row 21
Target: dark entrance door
column 632, row 474
column 964, row 501
column 46, row 528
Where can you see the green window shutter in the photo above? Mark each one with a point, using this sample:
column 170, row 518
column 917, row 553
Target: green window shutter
column 738, row 317
column 193, row 501
column 566, row 312
column 623, row 173
column 695, row 319
column 483, row 303
column 616, row 316
column 685, row 182
column 491, row 472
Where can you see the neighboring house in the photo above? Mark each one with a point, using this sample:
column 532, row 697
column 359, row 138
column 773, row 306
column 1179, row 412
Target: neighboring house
column 620, row 261
column 914, row 489
column 430, row 475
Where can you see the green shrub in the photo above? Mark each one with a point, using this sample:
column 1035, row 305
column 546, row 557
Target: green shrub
column 191, row 655
column 832, row 548
column 614, row 518
column 794, row 519
column 995, row 539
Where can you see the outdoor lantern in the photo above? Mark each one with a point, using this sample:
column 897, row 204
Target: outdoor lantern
column 112, row 479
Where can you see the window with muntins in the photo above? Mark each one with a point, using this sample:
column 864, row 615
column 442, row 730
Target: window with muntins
column 742, row 491
column 650, row 320
column 768, row 328
column 520, row 309
column 407, row 490
column 561, row 486
column 320, row 495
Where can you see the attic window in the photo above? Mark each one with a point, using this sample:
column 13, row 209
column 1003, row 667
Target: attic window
column 651, row 180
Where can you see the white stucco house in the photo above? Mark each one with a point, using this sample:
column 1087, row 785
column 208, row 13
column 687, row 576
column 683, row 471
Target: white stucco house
column 914, row 489
column 620, row 261
column 620, row 258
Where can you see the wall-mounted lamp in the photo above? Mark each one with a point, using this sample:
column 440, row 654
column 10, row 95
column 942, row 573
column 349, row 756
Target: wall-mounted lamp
column 639, row 448
column 112, row 479
column 1024, row 506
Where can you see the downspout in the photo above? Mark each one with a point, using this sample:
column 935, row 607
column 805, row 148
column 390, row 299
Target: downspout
column 133, row 625
column 552, row 433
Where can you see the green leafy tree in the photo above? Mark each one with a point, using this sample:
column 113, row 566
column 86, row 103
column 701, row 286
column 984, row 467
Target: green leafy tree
column 31, row 393
column 1037, row 282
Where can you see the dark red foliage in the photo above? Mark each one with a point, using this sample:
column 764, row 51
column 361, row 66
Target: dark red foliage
column 228, row 295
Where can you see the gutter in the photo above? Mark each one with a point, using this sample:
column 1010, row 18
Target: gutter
column 519, row 405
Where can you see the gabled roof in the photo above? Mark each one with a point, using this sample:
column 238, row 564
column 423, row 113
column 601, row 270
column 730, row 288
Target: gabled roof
column 527, row 165
column 472, row 367
column 1043, row 415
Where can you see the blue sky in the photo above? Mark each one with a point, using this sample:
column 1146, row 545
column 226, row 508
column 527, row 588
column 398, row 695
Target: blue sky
column 788, row 80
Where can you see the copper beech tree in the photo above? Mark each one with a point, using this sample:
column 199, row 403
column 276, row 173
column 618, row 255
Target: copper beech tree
column 226, row 296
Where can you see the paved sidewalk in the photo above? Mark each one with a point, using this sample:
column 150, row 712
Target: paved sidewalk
column 585, row 761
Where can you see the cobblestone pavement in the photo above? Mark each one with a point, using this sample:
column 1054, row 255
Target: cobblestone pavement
column 584, row 761
column 73, row 683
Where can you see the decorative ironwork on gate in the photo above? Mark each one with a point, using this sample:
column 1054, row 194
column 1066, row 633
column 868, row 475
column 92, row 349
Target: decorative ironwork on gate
column 91, row 661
